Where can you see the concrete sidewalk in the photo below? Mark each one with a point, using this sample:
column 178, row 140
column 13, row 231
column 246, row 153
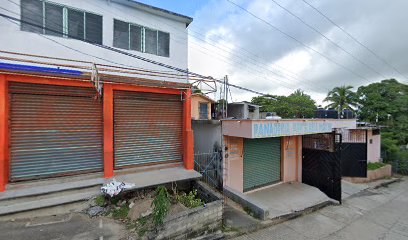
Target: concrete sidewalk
column 288, row 198
column 374, row 213
column 238, row 222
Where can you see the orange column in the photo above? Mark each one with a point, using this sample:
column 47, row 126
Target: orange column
column 108, row 130
column 188, row 153
column 4, row 144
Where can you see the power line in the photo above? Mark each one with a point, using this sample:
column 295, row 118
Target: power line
column 243, row 61
column 298, row 41
column 137, row 57
column 354, row 38
column 240, row 63
column 327, row 38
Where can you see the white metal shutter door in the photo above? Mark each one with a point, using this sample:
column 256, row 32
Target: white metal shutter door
column 55, row 131
column 147, row 128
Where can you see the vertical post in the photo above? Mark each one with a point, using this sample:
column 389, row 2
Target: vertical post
column 4, row 142
column 188, row 153
column 108, row 130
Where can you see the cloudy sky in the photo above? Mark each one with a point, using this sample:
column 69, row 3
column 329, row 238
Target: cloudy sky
column 271, row 51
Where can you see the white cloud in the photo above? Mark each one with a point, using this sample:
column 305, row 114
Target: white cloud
column 256, row 56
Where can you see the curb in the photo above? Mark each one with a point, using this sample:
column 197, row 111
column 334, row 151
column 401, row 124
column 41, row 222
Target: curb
column 284, row 218
column 387, row 183
column 281, row 219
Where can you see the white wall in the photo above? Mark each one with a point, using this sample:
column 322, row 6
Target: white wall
column 12, row 39
column 373, row 147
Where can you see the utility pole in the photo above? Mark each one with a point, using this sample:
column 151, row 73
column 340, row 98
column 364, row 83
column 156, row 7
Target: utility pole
column 226, row 96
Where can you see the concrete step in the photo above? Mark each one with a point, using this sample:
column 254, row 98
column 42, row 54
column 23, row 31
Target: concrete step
column 43, row 187
column 33, row 204
column 95, row 190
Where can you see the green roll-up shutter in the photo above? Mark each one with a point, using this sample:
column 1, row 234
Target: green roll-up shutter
column 262, row 162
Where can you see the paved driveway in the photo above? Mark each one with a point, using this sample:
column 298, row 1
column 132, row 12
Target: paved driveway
column 372, row 214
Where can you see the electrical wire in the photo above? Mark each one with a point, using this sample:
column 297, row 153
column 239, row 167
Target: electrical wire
column 298, row 41
column 328, row 39
column 252, row 69
column 354, row 38
column 138, row 57
column 243, row 61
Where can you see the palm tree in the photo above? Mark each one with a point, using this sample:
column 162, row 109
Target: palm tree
column 341, row 98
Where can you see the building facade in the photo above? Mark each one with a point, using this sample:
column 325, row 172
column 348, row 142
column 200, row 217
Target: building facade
column 243, row 110
column 63, row 120
column 201, row 108
column 52, row 28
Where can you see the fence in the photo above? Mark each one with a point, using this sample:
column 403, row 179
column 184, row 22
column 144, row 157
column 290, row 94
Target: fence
column 400, row 166
column 398, row 160
column 210, row 166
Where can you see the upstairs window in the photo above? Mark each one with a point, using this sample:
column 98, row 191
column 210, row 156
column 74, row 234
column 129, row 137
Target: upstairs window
column 203, row 111
column 58, row 20
column 134, row 37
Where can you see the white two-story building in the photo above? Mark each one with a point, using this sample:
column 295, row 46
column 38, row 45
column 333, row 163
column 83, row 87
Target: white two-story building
column 59, row 118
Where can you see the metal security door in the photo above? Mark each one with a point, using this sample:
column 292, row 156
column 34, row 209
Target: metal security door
column 321, row 164
column 354, row 153
column 262, row 162
column 55, row 131
column 147, row 128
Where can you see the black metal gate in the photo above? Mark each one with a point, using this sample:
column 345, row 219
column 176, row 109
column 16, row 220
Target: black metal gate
column 321, row 164
column 354, row 153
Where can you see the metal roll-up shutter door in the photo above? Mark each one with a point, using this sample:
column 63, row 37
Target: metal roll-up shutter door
column 55, row 131
column 147, row 128
column 262, row 162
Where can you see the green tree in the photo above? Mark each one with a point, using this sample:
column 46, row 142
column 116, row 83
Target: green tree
column 387, row 102
column 342, row 98
column 296, row 105
column 301, row 105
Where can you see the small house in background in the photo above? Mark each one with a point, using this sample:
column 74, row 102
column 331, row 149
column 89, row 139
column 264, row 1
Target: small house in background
column 201, row 106
column 243, row 110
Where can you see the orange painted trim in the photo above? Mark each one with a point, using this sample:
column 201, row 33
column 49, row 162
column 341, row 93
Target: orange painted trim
column 108, row 158
column 4, row 132
column 123, row 87
column 49, row 81
column 188, row 138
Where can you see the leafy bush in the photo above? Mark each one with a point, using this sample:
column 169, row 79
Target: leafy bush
column 374, row 166
column 161, row 205
column 190, row 200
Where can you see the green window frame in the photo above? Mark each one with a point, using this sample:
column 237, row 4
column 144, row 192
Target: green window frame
column 60, row 20
column 131, row 36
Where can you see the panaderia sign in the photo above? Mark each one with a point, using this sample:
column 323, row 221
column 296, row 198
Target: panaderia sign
column 277, row 129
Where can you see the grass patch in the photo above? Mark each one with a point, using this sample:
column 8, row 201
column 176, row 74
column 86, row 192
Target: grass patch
column 121, row 213
column 374, row 166
column 100, row 201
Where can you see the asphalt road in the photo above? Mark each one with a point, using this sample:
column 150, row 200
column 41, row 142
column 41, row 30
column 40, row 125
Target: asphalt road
column 372, row 214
